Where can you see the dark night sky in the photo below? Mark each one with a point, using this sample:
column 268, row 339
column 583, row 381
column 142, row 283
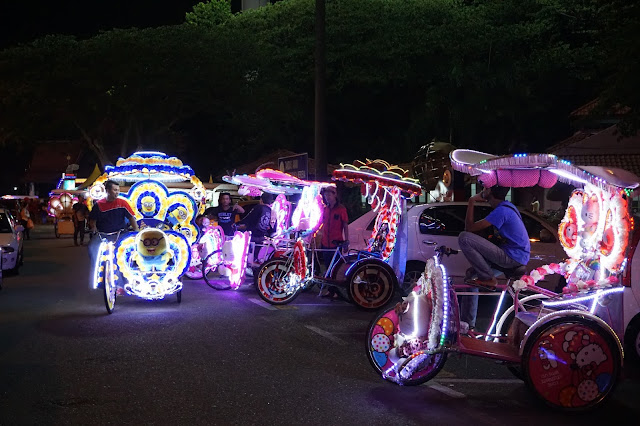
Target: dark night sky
column 24, row 21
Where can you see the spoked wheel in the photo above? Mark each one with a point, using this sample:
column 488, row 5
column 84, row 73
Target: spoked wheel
column 273, row 282
column 572, row 363
column 412, row 274
column 371, row 286
column 109, row 287
column 210, row 277
column 380, row 342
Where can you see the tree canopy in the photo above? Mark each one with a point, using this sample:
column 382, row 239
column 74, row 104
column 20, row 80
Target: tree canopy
column 221, row 89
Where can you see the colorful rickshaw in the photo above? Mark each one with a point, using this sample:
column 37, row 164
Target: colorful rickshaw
column 152, row 261
column 569, row 348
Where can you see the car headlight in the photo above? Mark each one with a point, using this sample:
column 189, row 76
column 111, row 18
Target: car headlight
column 8, row 249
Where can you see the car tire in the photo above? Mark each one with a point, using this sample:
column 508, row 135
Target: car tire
column 412, row 274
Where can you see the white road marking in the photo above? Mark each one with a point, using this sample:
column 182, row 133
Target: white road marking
column 481, row 381
column 447, row 391
column 263, row 304
column 327, row 335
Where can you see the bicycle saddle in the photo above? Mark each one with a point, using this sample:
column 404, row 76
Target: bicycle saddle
column 511, row 273
column 338, row 243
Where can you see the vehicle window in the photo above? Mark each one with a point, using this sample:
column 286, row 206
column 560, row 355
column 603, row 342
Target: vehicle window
column 442, row 220
column 5, row 225
column 535, row 228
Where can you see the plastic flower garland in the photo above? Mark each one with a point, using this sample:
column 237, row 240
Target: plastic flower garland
column 564, row 268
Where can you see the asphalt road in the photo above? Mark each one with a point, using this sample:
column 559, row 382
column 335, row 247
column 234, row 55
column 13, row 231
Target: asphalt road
column 226, row 358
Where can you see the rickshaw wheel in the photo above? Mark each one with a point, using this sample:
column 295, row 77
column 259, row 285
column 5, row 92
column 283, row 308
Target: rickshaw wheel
column 379, row 342
column 109, row 287
column 371, row 285
column 207, row 272
column 572, row 363
column 179, row 296
column 269, row 283
column 632, row 340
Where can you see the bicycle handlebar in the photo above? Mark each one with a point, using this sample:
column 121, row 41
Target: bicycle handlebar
column 444, row 250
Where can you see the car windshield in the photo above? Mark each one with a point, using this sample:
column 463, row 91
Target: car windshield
column 5, row 225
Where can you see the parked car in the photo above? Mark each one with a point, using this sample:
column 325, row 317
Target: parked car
column 441, row 223
column 11, row 239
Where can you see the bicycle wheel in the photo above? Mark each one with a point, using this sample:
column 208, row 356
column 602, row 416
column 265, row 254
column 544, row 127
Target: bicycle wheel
column 273, row 282
column 211, row 278
column 371, row 285
column 109, row 287
column 527, row 303
column 380, row 341
column 582, row 357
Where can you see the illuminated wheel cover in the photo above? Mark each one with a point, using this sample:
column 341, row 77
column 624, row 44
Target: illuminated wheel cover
column 273, row 282
column 380, row 340
column 299, row 260
column 573, row 363
column 109, row 286
column 371, row 286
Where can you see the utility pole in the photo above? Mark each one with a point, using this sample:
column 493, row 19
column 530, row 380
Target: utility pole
column 320, row 98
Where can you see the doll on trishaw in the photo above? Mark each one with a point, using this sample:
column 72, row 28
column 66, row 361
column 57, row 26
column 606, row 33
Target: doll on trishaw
column 368, row 276
column 569, row 348
column 148, row 263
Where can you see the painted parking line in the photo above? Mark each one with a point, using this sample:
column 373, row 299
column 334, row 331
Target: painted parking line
column 326, row 335
column 482, row 381
column 263, row 304
column 447, row 391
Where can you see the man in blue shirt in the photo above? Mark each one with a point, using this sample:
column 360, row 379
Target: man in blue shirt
column 482, row 254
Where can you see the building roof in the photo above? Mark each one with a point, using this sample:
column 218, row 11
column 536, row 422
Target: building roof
column 49, row 160
column 271, row 161
column 601, row 148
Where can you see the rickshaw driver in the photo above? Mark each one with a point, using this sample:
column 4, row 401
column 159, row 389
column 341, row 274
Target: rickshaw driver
column 482, row 253
column 109, row 215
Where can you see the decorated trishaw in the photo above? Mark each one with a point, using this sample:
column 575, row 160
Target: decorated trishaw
column 289, row 226
column 369, row 276
column 151, row 261
column 568, row 349
column 60, row 208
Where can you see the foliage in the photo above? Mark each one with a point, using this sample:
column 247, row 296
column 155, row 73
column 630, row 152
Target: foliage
column 210, row 14
column 494, row 75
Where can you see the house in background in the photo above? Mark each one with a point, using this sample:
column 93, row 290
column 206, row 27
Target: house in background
column 598, row 142
column 50, row 160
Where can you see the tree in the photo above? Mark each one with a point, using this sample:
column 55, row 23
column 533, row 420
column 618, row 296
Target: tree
column 210, row 14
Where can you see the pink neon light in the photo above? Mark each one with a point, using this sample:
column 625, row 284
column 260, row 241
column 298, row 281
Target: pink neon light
column 281, row 211
column 308, row 214
column 237, row 266
column 277, row 175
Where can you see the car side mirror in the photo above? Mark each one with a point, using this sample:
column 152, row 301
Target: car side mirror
column 546, row 236
column 19, row 228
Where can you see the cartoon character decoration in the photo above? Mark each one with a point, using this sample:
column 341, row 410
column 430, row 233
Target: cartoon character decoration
column 280, row 213
column 307, row 216
column 594, row 233
column 61, row 205
column 572, row 365
column 587, row 356
column 568, row 229
column 547, row 355
column 151, row 251
column 590, row 218
column 234, row 258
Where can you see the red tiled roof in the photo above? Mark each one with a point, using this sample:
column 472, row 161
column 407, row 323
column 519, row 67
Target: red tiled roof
column 601, row 148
